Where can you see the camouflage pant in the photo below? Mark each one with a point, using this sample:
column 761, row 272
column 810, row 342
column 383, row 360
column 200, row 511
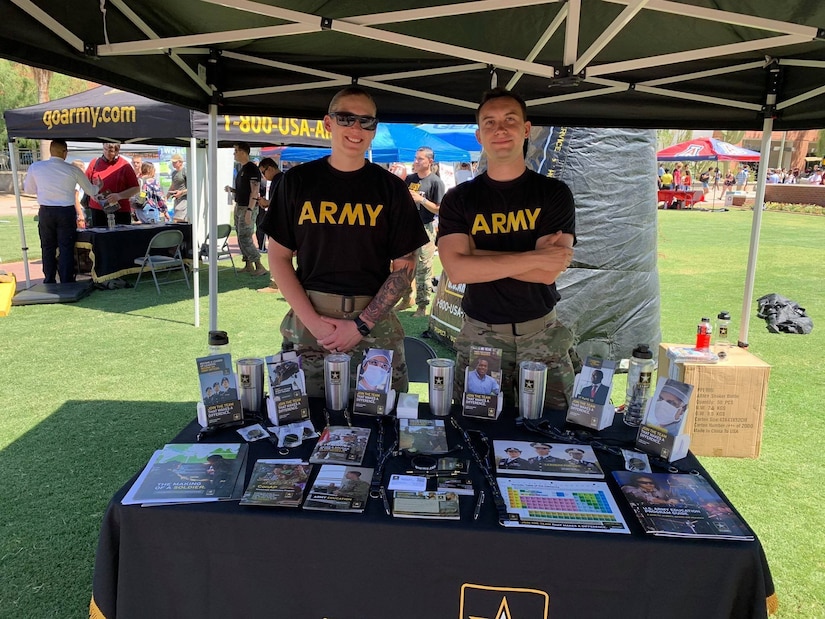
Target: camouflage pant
column 424, row 268
column 551, row 346
column 387, row 334
column 245, row 233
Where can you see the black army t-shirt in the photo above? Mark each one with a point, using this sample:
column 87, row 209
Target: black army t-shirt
column 347, row 227
column 508, row 216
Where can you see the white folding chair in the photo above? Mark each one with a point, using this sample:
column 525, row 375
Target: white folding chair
column 224, row 230
column 165, row 241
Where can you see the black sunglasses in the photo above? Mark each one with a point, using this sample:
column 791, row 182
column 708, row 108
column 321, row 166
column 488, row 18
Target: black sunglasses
column 345, row 119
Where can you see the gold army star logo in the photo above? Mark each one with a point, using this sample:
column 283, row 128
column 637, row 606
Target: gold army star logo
column 438, row 382
column 529, row 384
column 335, row 376
column 487, row 602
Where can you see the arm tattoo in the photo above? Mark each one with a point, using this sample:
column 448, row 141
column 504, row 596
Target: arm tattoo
column 393, row 287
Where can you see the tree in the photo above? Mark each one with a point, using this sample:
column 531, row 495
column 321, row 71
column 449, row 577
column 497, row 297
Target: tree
column 19, row 89
column 42, row 77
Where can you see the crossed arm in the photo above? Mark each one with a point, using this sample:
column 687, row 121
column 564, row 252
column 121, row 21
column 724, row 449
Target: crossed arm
column 336, row 333
column 465, row 264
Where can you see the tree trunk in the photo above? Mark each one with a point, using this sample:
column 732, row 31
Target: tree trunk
column 42, row 77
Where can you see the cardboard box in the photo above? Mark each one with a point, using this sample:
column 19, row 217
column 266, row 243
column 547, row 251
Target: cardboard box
column 727, row 408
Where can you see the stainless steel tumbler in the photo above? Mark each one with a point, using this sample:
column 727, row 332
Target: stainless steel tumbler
column 532, row 382
column 251, row 387
column 442, row 375
column 336, row 381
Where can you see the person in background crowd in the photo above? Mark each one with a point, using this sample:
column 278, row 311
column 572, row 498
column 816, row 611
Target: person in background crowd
column 246, row 192
column 728, row 183
column 510, row 271
column 354, row 230
column 426, row 190
column 137, row 162
column 667, row 180
column 178, row 190
column 118, row 183
column 149, row 204
column 742, row 179
column 53, row 181
column 269, row 170
column 704, row 178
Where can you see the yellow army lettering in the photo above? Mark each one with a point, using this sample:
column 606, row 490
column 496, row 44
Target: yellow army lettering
column 501, row 223
column 349, row 214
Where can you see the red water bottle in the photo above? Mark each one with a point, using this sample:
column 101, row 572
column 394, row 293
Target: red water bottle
column 703, row 331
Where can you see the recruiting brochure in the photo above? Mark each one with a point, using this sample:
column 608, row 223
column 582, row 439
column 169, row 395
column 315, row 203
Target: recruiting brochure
column 561, row 505
column 219, row 390
column 681, row 505
column 591, row 406
column 427, row 504
column 482, row 385
column 541, row 459
column 191, row 473
column 340, row 489
column 341, row 445
column 277, row 483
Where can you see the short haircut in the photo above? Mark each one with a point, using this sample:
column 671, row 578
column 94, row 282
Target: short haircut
column 428, row 152
column 58, row 148
column 244, row 146
column 267, row 162
column 349, row 91
column 497, row 93
column 358, row 473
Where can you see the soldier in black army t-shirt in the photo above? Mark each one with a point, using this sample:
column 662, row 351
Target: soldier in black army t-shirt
column 354, row 229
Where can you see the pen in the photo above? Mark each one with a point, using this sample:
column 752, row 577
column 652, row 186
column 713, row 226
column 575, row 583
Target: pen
column 386, row 502
column 479, row 503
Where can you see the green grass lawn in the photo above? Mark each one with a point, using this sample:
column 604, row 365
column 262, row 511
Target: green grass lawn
column 92, row 388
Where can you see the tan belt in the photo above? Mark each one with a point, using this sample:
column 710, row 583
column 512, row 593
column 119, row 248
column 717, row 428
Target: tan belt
column 337, row 305
column 527, row 327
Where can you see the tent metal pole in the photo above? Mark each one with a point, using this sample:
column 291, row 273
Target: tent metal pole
column 16, row 183
column 750, row 276
column 193, row 213
column 212, row 209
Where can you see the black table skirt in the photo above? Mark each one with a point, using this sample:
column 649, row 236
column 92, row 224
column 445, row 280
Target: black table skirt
column 226, row 560
column 112, row 253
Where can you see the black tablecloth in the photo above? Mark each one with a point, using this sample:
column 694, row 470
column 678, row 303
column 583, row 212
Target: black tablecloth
column 112, row 252
column 226, row 560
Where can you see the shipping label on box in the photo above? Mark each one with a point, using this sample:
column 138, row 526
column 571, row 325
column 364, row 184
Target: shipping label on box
column 727, row 408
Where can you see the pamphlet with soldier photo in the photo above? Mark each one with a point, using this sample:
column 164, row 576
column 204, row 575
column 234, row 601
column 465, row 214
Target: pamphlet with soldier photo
column 288, row 401
column 340, row 489
column 482, row 384
column 341, row 445
column 219, row 390
column 542, row 459
column 191, row 473
column 422, row 436
column 277, row 483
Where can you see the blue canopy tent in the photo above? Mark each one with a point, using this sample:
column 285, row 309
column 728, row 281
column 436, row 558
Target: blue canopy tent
column 393, row 142
column 461, row 136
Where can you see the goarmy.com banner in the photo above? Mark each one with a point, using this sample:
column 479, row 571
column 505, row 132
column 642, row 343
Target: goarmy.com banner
column 90, row 115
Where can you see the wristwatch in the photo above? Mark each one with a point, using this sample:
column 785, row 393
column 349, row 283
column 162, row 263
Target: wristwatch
column 363, row 329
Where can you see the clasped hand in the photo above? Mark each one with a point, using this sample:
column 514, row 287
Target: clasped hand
column 341, row 336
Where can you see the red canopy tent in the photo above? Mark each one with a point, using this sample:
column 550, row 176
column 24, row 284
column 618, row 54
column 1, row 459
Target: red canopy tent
column 706, row 149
